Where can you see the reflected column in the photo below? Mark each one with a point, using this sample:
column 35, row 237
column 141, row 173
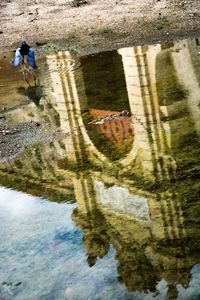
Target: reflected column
column 190, row 79
column 68, row 96
column 150, row 142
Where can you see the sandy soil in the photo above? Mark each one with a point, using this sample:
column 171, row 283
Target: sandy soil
column 97, row 25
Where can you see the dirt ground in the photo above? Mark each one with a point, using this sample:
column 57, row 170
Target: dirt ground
column 98, row 24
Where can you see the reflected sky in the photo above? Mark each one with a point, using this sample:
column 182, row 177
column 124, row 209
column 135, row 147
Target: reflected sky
column 126, row 203
column 42, row 250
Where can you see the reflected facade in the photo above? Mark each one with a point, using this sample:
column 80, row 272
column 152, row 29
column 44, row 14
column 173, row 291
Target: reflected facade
column 144, row 201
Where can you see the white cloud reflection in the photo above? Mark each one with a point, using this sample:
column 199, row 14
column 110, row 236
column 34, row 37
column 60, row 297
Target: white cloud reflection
column 16, row 203
column 42, row 248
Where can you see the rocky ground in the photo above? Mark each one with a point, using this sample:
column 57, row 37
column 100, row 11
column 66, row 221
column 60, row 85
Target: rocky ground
column 86, row 26
column 14, row 138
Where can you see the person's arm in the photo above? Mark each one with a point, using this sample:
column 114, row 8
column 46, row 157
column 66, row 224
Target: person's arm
column 17, row 59
column 31, row 58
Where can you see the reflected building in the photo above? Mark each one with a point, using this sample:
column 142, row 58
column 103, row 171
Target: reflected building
column 151, row 234
column 154, row 232
column 163, row 250
column 159, row 102
column 160, row 105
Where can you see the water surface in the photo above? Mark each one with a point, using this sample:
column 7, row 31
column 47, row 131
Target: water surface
column 108, row 209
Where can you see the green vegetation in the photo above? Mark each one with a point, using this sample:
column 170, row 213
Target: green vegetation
column 105, row 30
column 67, row 44
column 70, row 38
column 46, row 188
column 51, row 47
column 162, row 23
column 73, row 50
column 123, row 34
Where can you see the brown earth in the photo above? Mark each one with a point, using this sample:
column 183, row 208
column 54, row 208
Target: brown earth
column 98, row 24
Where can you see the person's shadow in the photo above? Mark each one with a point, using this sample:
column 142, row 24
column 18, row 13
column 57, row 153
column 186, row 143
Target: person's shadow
column 33, row 93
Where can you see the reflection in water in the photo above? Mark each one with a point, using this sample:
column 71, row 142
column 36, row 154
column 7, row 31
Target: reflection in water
column 135, row 179
column 33, row 93
column 43, row 251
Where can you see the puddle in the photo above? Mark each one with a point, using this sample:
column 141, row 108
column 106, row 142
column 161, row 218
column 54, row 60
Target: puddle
column 102, row 201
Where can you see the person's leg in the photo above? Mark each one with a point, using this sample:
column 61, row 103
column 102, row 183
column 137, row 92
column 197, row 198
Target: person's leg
column 25, row 73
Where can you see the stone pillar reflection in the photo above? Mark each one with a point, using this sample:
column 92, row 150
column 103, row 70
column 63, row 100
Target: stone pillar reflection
column 90, row 219
column 68, row 96
column 150, row 135
column 185, row 68
column 63, row 101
